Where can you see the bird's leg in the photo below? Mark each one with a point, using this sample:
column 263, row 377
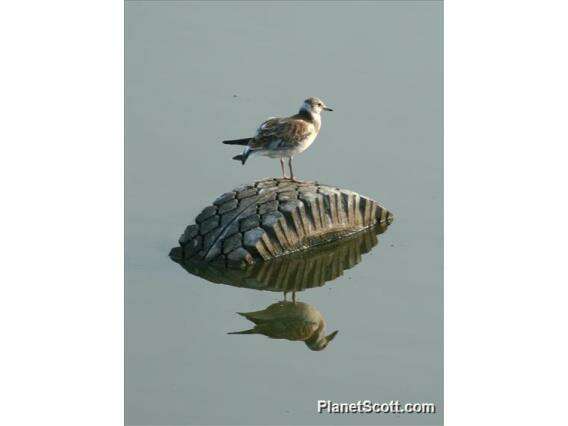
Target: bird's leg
column 292, row 178
column 294, row 296
column 282, row 166
column 285, row 293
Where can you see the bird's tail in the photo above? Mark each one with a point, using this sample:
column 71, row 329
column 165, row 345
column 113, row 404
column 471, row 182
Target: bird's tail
column 244, row 141
column 243, row 157
column 251, row 331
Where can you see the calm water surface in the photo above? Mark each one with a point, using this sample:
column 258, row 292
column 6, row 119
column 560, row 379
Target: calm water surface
column 199, row 73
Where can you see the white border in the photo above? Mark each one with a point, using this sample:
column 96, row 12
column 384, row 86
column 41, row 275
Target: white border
column 61, row 170
column 506, row 211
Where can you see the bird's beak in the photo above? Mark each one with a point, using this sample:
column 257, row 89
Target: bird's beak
column 327, row 108
column 331, row 336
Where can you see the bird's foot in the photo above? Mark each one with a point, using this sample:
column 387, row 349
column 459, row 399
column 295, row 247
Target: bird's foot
column 294, row 179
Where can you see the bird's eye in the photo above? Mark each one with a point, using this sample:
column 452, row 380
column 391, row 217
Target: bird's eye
column 320, row 104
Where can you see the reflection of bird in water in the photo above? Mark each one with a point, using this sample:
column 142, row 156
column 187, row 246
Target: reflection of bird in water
column 295, row 321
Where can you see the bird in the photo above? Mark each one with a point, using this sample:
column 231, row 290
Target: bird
column 284, row 137
column 296, row 321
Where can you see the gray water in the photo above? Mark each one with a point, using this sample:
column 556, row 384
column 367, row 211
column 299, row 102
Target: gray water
column 199, row 73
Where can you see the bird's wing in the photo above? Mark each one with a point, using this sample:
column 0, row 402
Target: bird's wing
column 275, row 312
column 257, row 317
column 287, row 328
column 281, row 133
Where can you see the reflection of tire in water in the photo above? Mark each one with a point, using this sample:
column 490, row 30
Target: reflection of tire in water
column 297, row 271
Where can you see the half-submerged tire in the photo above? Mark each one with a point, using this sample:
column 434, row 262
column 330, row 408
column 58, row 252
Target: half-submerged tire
column 275, row 217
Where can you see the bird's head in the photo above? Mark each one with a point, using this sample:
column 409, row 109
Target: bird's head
column 315, row 106
column 322, row 342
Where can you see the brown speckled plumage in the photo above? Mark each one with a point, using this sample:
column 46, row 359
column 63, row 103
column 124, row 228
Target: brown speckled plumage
column 284, row 137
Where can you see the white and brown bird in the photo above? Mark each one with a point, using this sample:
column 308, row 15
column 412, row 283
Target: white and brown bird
column 295, row 321
column 284, row 137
